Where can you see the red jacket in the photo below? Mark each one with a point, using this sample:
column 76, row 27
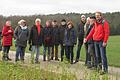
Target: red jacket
column 99, row 32
column 7, row 36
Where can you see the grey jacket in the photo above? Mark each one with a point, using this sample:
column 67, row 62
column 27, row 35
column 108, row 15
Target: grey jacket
column 21, row 35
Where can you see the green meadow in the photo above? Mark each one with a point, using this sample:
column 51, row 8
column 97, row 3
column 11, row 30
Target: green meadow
column 113, row 51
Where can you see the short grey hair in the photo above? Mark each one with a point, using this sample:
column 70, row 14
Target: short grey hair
column 37, row 19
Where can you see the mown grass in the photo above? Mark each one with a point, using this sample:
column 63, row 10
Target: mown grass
column 113, row 51
column 9, row 71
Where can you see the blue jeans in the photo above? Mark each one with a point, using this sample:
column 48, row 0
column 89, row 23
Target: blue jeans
column 20, row 51
column 100, row 52
column 44, row 53
column 37, row 50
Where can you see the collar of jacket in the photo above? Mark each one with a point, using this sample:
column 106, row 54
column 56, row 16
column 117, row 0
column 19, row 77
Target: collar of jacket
column 99, row 21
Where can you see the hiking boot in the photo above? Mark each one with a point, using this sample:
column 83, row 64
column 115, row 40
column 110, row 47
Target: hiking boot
column 56, row 59
column 9, row 59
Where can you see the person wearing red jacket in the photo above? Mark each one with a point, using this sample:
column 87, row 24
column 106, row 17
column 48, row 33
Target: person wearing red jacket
column 100, row 33
column 7, row 33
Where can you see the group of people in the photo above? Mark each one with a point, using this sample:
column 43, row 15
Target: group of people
column 93, row 32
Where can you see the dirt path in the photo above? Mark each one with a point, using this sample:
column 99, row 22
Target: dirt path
column 78, row 69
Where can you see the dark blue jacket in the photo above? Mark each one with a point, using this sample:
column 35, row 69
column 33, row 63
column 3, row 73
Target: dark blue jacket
column 70, row 38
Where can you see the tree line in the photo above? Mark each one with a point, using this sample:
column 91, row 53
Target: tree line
column 113, row 19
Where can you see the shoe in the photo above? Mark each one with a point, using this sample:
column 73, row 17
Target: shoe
column 103, row 72
column 76, row 61
column 4, row 58
column 37, row 62
column 56, row 59
column 44, row 59
column 9, row 59
column 16, row 60
column 52, row 58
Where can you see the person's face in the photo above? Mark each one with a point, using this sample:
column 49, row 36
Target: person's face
column 83, row 19
column 88, row 21
column 98, row 16
column 37, row 22
column 69, row 26
column 47, row 24
column 8, row 23
column 63, row 23
column 92, row 21
column 23, row 24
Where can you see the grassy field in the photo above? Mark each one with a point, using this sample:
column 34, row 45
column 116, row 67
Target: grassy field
column 113, row 51
column 9, row 71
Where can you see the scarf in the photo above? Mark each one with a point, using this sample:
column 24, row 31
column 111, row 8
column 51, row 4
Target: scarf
column 23, row 27
column 38, row 28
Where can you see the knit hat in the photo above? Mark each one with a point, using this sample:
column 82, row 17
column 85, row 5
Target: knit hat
column 63, row 20
column 92, row 17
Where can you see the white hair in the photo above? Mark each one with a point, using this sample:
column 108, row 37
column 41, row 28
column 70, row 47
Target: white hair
column 88, row 18
column 37, row 20
column 21, row 21
column 83, row 16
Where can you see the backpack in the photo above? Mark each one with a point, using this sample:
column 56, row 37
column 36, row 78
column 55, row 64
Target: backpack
column 103, row 23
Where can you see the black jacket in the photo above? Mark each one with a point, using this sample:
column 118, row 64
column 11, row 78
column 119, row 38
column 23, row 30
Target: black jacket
column 0, row 35
column 35, row 38
column 62, row 32
column 80, row 31
column 56, row 35
column 87, row 33
column 48, row 36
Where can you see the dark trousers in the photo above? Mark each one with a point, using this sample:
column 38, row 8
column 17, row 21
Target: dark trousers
column 54, row 51
column 63, row 51
column 44, row 53
column 20, row 51
column 80, row 43
column 69, row 52
column 86, row 51
column 91, row 54
column 0, row 45
column 6, row 51
column 100, row 52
